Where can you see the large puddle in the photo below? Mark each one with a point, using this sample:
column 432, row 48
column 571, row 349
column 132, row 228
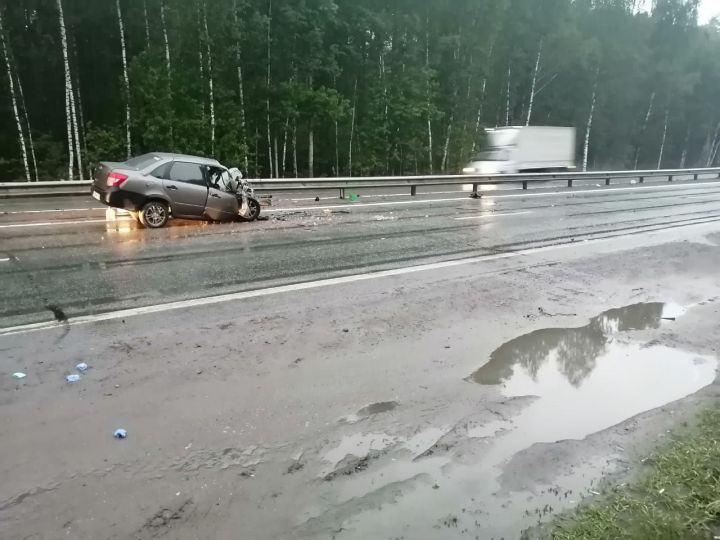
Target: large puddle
column 583, row 380
column 590, row 378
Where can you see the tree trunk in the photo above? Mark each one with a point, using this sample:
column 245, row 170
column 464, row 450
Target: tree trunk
column 352, row 130
column 386, row 117
column 126, row 78
column 13, row 99
column 429, row 102
column 478, row 120
column 26, row 115
column 76, row 131
column 68, row 93
column 294, row 143
column 588, row 129
column 534, row 83
column 683, row 158
column 664, row 138
column 241, row 87
column 311, row 152
column 211, row 88
column 168, row 69
column 446, row 149
column 712, row 149
column 643, row 129
column 277, row 169
column 507, row 101
column 147, row 25
column 285, row 145
column 268, row 81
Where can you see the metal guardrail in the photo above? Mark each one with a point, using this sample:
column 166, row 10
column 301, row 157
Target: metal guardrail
column 269, row 186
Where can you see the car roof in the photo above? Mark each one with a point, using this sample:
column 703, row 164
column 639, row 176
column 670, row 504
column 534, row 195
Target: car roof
column 185, row 157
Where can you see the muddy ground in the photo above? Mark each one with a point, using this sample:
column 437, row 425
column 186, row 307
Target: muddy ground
column 466, row 402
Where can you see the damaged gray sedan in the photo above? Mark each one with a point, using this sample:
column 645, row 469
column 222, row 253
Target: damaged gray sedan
column 158, row 186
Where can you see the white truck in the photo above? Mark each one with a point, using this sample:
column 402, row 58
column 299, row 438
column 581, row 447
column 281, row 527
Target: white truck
column 525, row 149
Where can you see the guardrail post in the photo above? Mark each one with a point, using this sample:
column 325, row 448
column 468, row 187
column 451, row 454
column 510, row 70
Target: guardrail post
column 695, row 176
column 413, row 190
column 642, row 179
column 342, row 193
column 475, row 190
column 570, row 183
column 607, row 181
column 670, row 178
column 525, row 184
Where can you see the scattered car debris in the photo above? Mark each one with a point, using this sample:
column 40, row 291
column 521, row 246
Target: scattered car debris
column 73, row 378
column 82, row 367
column 120, row 433
column 19, row 375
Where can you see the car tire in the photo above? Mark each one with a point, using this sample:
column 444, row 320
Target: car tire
column 154, row 215
column 253, row 211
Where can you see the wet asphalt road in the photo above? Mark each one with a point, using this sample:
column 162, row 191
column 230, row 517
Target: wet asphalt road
column 355, row 407
column 75, row 259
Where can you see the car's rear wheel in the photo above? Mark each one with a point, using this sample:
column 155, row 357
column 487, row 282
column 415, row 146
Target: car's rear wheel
column 154, row 215
column 253, row 211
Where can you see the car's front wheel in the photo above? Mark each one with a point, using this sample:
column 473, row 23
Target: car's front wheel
column 253, row 211
column 154, row 215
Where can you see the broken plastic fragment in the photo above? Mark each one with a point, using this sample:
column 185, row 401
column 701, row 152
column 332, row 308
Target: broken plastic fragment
column 19, row 375
column 82, row 366
column 73, row 378
column 120, row 433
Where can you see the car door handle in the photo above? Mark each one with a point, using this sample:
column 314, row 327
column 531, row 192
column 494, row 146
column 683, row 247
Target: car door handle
column 215, row 195
column 174, row 188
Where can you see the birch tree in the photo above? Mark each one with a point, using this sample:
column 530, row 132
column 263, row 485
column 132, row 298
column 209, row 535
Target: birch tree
column 69, row 98
column 13, row 99
column 534, row 83
column 588, row 127
column 211, row 92
column 664, row 138
column 147, row 24
column 268, row 89
column 26, row 116
column 241, row 85
column 643, row 129
column 168, row 69
column 507, row 96
column 126, row 78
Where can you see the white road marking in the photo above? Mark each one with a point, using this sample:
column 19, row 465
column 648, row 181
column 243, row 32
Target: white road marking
column 493, row 215
column 310, row 285
column 49, row 223
column 6, row 259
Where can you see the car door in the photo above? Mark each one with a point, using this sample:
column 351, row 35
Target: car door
column 187, row 188
column 221, row 205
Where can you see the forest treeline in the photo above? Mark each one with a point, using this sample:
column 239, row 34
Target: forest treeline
column 285, row 88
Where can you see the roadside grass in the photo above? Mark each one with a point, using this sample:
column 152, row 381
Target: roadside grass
column 678, row 497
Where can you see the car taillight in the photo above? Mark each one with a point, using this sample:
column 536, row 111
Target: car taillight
column 116, row 179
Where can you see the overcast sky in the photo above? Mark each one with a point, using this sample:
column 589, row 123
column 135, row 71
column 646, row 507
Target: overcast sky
column 708, row 10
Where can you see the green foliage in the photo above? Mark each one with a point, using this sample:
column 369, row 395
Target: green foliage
column 364, row 76
column 678, row 498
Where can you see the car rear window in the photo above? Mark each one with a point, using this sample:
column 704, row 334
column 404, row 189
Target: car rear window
column 142, row 162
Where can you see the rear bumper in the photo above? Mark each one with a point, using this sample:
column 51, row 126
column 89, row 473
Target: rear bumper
column 118, row 198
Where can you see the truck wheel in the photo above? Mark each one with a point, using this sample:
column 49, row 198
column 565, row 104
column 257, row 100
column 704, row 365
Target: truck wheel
column 154, row 215
column 253, row 211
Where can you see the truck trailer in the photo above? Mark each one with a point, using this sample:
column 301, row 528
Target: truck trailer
column 525, row 149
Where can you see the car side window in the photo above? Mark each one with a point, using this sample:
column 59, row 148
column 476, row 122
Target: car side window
column 162, row 171
column 189, row 173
